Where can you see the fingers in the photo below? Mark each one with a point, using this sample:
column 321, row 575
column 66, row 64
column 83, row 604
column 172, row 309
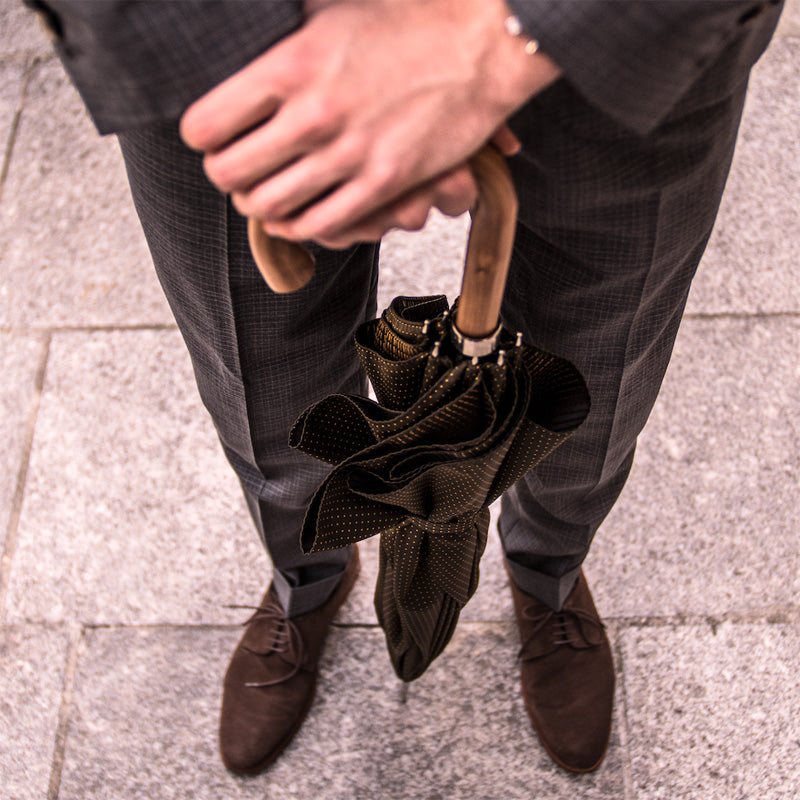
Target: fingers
column 453, row 194
column 293, row 142
column 295, row 133
column 315, row 196
column 505, row 141
column 233, row 106
column 289, row 191
column 249, row 97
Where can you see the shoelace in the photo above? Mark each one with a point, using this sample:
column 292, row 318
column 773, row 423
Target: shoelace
column 562, row 633
column 288, row 641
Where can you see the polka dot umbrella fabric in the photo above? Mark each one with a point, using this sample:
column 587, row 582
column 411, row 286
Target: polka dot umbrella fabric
column 420, row 467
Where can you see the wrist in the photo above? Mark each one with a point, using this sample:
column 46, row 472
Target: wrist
column 516, row 68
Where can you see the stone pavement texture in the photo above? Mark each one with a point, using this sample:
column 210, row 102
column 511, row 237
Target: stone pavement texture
column 123, row 533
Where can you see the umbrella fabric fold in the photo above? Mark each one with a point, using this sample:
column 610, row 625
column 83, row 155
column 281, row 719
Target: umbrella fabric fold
column 420, row 467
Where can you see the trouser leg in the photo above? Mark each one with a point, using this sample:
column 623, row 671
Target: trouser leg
column 610, row 234
column 259, row 358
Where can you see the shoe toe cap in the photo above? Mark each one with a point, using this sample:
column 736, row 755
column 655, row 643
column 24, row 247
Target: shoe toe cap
column 252, row 735
column 579, row 754
column 575, row 736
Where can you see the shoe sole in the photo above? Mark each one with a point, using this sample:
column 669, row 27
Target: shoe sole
column 284, row 743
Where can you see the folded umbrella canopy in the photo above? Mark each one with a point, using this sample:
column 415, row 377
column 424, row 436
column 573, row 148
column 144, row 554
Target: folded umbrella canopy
column 464, row 409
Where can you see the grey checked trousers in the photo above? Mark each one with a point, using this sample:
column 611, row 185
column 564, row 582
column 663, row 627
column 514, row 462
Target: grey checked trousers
column 611, row 229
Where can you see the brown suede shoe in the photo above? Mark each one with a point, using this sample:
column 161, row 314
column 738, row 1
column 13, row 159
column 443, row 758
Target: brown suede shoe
column 567, row 676
column 270, row 683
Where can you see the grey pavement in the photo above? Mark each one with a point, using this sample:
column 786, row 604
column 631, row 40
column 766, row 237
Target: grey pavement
column 123, row 533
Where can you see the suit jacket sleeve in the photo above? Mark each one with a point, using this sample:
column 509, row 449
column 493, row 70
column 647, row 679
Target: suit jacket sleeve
column 146, row 61
column 635, row 60
column 140, row 62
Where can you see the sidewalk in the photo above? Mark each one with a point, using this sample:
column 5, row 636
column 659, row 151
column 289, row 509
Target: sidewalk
column 123, row 531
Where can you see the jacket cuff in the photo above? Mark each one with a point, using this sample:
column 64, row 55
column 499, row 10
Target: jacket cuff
column 138, row 63
column 635, row 60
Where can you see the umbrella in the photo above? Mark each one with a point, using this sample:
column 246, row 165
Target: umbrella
column 464, row 409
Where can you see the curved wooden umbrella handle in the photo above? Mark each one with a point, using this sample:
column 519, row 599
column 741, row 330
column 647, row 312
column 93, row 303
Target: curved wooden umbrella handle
column 285, row 266
column 288, row 266
column 491, row 239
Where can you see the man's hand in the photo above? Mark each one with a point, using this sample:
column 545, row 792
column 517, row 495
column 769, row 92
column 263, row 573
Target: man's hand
column 364, row 118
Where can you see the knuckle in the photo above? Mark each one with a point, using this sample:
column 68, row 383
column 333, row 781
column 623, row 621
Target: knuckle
column 386, row 175
column 329, row 108
column 267, row 206
column 456, row 193
column 297, row 65
column 300, row 231
column 219, row 172
column 321, row 118
column 336, row 242
column 260, row 203
column 341, row 240
column 460, row 184
column 240, row 203
column 311, row 128
column 370, row 233
column 350, row 150
column 412, row 218
column 197, row 129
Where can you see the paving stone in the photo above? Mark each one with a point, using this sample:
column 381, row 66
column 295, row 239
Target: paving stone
column 492, row 600
column 12, row 75
column 73, row 252
column 750, row 264
column 789, row 24
column 708, row 521
column 146, row 709
column 130, row 508
column 19, row 361
column 22, row 34
column 145, row 715
column 359, row 609
column 356, row 743
column 430, row 261
column 713, row 714
column 471, row 734
column 32, row 661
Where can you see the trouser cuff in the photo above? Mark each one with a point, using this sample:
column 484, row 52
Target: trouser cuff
column 297, row 600
column 549, row 590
